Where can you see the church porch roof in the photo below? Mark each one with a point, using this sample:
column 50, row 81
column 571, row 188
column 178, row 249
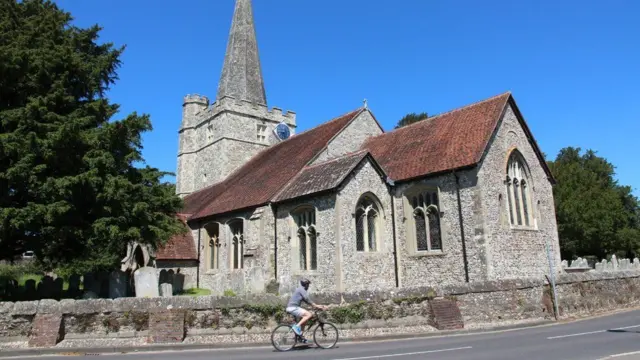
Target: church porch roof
column 179, row 247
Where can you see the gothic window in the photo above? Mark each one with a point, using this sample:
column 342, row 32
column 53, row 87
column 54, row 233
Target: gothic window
column 262, row 133
column 426, row 220
column 518, row 191
column 305, row 220
column 367, row 224
column 237, row 244
column 213, row 231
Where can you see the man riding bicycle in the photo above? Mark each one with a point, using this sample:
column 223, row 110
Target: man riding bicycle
column 293, row 307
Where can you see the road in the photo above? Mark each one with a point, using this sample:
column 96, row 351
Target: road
column 583, row 340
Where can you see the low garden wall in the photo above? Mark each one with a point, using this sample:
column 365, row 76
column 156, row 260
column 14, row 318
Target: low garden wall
column 215, row 320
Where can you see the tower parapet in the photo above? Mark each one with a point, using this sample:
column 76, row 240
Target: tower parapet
column 229, row 103
column 192, row 106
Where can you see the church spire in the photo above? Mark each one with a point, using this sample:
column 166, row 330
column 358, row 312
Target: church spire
column 241, row 72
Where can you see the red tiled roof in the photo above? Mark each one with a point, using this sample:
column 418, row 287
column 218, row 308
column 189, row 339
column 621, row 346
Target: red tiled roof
column 258, row 180
column 321, row 177
column 447, row 141
column 179, row 247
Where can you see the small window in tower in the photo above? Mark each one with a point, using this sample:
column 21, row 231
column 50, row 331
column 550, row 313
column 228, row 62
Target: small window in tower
column 262, row 133
column 209, row 132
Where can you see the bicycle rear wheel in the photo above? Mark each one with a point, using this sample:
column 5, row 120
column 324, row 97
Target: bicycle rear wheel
column 283, row 338
column 326, row 335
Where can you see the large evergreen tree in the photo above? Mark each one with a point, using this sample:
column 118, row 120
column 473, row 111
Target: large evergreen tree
column 69, row 189
column 596, row 216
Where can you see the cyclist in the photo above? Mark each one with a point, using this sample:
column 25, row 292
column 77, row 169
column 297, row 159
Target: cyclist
column 293, row 307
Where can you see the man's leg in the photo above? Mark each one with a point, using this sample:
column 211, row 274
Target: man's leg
column 305, row 316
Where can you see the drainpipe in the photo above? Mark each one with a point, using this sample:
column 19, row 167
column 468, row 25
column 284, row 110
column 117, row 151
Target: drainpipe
column 198, row 268
column 275, row 243
column 393, row 227
column 464, row 244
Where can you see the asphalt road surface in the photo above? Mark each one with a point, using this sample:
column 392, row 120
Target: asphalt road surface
column 583, row 340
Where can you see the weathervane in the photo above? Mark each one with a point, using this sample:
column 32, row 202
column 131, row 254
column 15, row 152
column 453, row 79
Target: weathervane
column 365, row 103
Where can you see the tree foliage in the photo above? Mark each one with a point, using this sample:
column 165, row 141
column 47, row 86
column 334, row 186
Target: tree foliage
column 596, row 215
column 69, row 189
column 411, row 118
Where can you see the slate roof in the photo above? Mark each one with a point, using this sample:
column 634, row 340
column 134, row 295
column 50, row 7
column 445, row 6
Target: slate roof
column 448, row 141
column 257, row 181
column 321, row 177
column 180, row 247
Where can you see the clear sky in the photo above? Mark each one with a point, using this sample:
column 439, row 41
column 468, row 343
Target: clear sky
column 572, row 66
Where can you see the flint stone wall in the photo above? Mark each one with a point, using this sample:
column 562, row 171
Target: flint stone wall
column 226, row 317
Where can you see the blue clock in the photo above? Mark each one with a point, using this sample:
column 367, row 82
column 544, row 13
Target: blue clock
column 282, row 131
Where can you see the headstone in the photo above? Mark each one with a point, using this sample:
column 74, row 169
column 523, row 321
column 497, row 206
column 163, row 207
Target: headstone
column 163, row 277
column 146, row 282
column 178, row 282
column 30, row 291
column 91, row 284
column 614, row 262
column 565, row 264
column 166, row 290
column 117, row 284
column 58, row 285
column 103, row 280
column 89, row 295
column 599, row 266
column 45, row 288
column 636, row 263
column 74, row 286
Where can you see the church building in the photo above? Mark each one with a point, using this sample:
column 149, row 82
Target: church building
column 463, row 196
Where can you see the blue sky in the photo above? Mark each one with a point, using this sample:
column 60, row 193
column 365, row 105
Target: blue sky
column 573, row 66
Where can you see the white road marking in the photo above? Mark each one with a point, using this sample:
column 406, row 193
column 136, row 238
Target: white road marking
column 591, row 332
column 620, row 355
column 405, row 354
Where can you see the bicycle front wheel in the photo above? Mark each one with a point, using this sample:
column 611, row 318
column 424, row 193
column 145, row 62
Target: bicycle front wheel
column 283, row 338
column 326, row 335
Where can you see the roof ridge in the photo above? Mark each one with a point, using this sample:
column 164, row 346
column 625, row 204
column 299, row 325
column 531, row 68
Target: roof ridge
column 349, row 154
column 465, row 107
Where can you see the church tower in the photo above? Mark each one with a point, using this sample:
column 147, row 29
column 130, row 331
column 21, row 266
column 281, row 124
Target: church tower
column 216, row 139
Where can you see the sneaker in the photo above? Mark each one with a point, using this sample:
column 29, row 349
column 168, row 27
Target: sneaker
column 303, row 340
column 297, row 330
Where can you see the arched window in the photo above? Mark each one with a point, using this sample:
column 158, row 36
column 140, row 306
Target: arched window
column 213, row 231
column 367, row 224
column 518, row 191
column 426, row 219
column 237, row 244
column 305, row 219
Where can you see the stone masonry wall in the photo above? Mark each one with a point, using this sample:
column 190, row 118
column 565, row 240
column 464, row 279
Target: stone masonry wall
column 251, row 319
column 437, row 267
column 351, row 138
column 515, row 252
column 360, row 270
column 256, row 272
column 289, row 271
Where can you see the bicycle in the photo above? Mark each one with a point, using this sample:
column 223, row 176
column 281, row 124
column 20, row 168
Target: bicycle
column 322, row 328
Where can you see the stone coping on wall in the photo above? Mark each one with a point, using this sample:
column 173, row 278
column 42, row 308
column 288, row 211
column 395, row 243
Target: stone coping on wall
column 94, row 306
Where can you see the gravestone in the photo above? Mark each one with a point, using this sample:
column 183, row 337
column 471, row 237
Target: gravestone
column 30, row 291
column 117, row 284
column 91, row 284
column 166, row 290
column 565, row 264
column 146, row 282
column 178, row 282
column 58, row 285
column 45, row 288
column 74, row 286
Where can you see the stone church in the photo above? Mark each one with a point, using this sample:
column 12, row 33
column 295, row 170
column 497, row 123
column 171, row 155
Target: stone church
column 462, row 196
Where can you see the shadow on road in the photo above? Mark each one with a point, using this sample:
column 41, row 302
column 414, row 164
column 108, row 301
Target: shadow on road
column 623, row 331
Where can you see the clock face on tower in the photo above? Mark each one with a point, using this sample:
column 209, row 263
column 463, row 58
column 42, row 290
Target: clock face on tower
column 282, row 131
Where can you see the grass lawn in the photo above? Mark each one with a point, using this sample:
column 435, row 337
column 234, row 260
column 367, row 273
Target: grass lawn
column 195, row 292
